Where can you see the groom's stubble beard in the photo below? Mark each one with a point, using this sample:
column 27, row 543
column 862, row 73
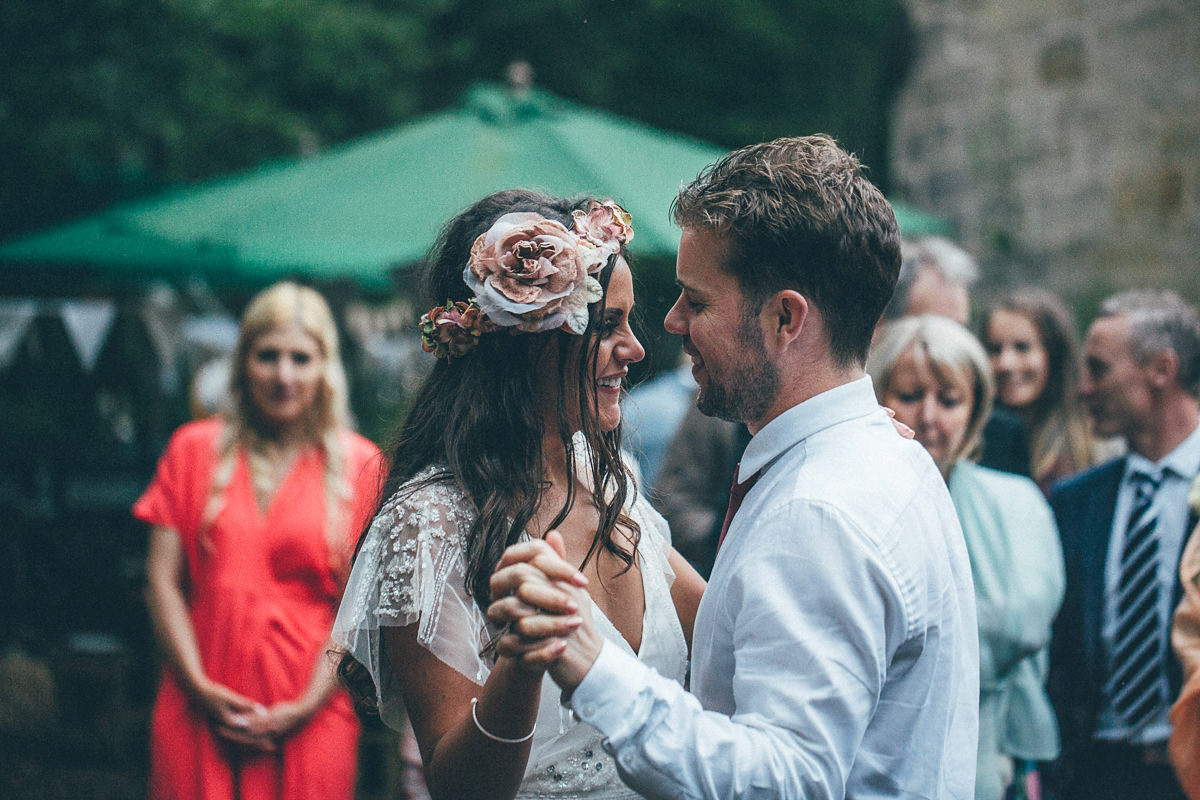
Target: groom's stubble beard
column 749, row 386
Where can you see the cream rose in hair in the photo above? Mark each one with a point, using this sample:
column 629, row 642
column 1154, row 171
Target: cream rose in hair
column 531, row 273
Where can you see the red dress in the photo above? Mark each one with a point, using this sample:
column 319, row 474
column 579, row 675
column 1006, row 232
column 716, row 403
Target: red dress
column 262, row 595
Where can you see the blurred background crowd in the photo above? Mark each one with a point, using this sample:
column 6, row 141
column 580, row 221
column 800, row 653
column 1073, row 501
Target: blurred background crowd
column 165, row 160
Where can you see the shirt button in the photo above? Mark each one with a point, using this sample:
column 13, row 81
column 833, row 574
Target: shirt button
column 588, row 710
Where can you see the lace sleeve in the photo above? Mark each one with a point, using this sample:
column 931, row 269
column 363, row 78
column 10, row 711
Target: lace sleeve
column 410, row 570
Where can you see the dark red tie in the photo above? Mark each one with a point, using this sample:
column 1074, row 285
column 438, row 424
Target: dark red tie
column 737, row 493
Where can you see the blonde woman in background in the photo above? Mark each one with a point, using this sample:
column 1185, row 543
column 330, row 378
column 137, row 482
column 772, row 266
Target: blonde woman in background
column 253, row 516
column 934, row 373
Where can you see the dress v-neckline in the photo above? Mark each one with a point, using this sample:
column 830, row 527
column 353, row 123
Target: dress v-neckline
column 645, row 614
column 613, row 628
column 263, row 512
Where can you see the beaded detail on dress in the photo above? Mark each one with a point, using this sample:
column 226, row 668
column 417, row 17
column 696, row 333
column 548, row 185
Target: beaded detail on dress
column 440, row 516
column 584, row 772
column 411, row 568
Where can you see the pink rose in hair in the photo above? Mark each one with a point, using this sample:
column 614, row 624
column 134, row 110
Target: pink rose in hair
column 531, row 273
column 605, row 224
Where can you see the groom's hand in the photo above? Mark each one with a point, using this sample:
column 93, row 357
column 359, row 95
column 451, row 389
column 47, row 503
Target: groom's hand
column 538, row 596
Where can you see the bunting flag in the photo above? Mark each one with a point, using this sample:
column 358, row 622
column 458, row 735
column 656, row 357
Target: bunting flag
column 159, row 313
column 87, row 323
column 15, row 316
column 210, row 333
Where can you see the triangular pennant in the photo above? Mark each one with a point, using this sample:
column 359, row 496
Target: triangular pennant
column 210, row 333
column 15, row 316
column 161, row 315
column 87, row 323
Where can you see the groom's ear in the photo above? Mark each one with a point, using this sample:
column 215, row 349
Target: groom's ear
column 788, row 315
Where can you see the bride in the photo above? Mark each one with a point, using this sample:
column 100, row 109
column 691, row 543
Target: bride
column 515, row 433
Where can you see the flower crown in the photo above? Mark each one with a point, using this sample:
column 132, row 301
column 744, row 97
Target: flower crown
column 529, row 274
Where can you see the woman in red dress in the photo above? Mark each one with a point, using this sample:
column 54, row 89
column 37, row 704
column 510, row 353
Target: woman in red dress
column 253, row 518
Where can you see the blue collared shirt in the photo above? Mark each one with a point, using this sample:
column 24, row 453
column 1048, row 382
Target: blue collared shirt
column 1178, row 468
column 835, row 651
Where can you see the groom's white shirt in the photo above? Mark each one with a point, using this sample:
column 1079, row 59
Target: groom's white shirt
column 835, row 650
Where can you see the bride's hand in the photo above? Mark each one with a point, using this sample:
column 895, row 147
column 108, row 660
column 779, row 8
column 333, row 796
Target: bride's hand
column 530, row 582
column 538, row 597
column 901, row 428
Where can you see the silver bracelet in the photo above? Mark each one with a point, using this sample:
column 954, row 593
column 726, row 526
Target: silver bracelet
column 492, row 736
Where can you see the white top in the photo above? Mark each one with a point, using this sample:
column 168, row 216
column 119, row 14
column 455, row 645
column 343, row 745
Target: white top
column 411, row 570
column 1178, row 468
column 835, row 652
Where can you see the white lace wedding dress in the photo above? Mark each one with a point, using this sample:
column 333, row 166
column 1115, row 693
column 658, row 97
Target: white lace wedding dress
column 410, row 570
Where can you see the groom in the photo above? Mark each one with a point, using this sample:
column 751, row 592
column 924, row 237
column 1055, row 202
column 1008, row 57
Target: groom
column 835, row 649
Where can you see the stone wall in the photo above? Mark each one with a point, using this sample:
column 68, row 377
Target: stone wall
column 1062, row 137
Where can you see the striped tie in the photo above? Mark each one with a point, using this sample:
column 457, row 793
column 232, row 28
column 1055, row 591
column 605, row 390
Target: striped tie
column 1138, row 656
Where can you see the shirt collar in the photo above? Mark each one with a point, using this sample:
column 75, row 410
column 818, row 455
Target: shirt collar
column 841, row 403
column 1183, row 461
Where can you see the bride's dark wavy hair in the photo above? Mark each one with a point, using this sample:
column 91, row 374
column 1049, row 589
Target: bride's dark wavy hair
column 478, row 417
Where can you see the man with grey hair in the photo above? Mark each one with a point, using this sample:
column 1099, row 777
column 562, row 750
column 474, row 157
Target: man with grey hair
column 1123, row 525
column 936, row 277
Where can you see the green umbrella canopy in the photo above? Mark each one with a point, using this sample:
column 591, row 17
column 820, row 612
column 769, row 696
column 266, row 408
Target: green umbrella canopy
column 360, row 210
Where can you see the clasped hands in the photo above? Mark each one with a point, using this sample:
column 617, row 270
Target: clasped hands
column 540, row 600
column 246, row 723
